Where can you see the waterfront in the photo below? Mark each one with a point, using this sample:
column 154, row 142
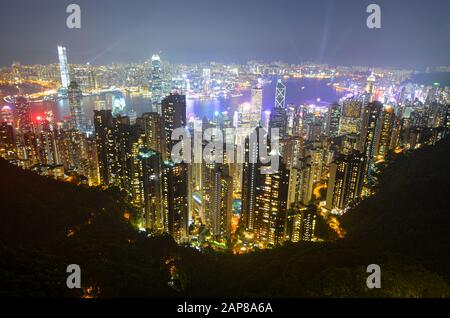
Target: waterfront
column 298, row 91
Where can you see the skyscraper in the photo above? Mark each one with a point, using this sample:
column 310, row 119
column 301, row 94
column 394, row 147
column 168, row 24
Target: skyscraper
column 152, row 127
column 150, row 190
column 333, row 119
column 174, row 116
column 206, row 79
column 370, row 87
column 218, row 188
column 250, row 175
column 106, row 146
column 280, row 95
column 175, row 200
column 350, row 121
column 64, row 67
column 255, row 113
column 384, row 137
column 369, row 133
column 271, row 206
column 76, row 108
column 278, row 117
column 346, row 180
column 156, row 83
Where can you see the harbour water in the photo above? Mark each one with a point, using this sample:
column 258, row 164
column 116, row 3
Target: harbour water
column 298, row 91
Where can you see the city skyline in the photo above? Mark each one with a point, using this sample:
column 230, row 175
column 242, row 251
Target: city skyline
column 309, row 160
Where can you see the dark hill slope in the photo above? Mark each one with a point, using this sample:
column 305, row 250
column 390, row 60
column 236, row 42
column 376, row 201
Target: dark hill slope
column 46, row 225
column 410, row 214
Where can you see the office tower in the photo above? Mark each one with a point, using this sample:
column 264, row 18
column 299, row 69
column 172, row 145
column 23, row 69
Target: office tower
column 6, row 115
column 280, row 95
column 333, row 119
column 23, row 120
column 76, row 107
column 118, row 104
column 206, row 80
column 370, row 88
column 350, row 122
column 369, row 132
column 174, row 116
column 295, row 120
column 255, row 113
column 346, row 180
column 301, row 224
column 156, row 84
column 271, row 197
column 384, row 137
column 278, row 117
column 175, row 200
column 150, row 190
column 64, row 67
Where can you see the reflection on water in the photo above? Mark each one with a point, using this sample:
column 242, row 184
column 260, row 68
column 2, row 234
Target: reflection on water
column 313, row 89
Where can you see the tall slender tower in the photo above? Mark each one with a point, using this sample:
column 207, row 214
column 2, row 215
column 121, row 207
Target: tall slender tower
column 280, row 95
column 370, row 88
column 64, row 67
column 278, row 118
column 76, row 108
column 256, row 106
column 156, row 83
column 174, row 116
column 333, row 119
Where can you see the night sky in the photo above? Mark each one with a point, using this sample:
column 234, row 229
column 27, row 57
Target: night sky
column 414, row 33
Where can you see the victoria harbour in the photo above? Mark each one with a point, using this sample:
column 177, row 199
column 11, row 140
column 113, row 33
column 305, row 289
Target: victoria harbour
column 199, row 150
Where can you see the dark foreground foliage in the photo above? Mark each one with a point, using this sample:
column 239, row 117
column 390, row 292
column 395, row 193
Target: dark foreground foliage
column 46, row 225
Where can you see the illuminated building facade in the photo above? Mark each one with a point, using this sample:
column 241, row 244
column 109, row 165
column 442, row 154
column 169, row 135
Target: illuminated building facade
column 174, row 116
column 346, row 180
column 64, row 67
column 271, row 207
column 175, row 200
column 156, row 83
column 333, row 119
column 278, row 117
column 76, row 107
